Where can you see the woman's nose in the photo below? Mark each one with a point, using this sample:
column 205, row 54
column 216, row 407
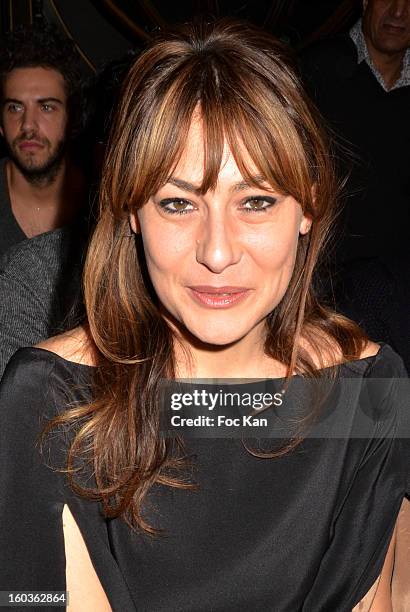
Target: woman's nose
column 217, row 243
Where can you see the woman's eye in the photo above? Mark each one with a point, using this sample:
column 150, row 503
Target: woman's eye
column 176, row 206
column 259, row 204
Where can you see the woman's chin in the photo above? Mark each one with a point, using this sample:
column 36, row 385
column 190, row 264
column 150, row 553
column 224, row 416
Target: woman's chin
column 217, row 337
column 210, row 332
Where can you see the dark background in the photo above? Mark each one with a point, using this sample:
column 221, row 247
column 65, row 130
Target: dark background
column 105, row 29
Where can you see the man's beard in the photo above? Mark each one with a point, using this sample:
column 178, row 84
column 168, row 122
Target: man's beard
column 42, row 174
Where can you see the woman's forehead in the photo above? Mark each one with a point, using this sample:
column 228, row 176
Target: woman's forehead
column 191, row 164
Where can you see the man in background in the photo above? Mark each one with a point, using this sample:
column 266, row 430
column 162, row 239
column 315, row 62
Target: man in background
column 41, row 189
column 40, row 278
column 382, row 39
column 361, row 84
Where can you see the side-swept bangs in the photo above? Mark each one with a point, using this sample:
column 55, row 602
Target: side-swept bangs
column 246, row 95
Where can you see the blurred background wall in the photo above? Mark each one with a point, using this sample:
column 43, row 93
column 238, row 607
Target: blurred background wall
column 106, row 29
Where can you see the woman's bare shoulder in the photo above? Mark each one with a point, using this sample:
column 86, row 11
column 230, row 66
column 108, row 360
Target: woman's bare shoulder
column 74, row 345
column 326, row 353
column 370, row 350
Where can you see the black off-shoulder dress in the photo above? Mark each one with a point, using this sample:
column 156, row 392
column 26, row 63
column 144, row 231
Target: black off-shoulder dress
column 305, row 532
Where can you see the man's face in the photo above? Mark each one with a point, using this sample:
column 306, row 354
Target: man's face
column 386, row 25
column 34, row 119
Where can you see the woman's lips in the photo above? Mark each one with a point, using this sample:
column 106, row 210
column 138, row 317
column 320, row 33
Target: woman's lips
column 218, row 297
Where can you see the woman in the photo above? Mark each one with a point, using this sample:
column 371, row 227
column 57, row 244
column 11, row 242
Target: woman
column 216, row 200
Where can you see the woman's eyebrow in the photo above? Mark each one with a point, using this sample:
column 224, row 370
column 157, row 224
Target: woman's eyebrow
column 183, row 184
column 240, row 186
column 257, row 179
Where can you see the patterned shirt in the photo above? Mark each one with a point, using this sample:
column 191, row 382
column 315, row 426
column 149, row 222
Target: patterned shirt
column 356, row 34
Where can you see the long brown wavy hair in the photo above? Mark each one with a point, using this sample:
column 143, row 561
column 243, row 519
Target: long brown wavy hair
column 245, row 85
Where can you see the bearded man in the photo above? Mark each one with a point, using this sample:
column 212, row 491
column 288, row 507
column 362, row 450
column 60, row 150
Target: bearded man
column 41, row 189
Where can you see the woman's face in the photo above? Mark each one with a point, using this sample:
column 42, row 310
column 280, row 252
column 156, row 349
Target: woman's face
column 222, row 261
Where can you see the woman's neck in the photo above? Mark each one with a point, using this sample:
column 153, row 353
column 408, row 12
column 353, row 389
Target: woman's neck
column 243, row 359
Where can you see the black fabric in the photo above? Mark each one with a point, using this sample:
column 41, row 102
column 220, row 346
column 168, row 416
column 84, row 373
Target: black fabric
column 373, row 135
column 40, row 288
column 307, row 532
column 376, row 294
column 10, row 231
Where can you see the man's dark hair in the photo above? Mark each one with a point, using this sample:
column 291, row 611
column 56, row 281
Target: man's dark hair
column 43, row 46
